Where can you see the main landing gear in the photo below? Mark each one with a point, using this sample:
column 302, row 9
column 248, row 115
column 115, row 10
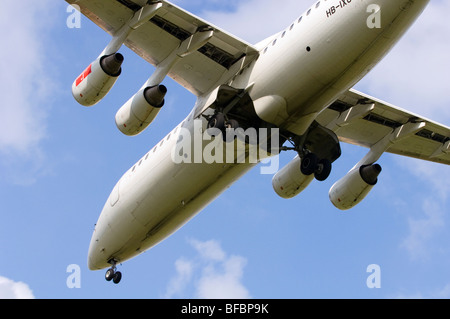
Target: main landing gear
column 112, row 274
column 311, row 164
column 223, row 125
column 318, row 148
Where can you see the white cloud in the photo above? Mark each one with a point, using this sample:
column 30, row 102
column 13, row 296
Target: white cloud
column 426, row 230
column 24, row 82
column 177, row 284
column 10, row 289
column 25, row 85
column 211, row 273
column 414, row 75
column 223, row 281
column 209, row 250
column 251, row 20
column 422, row 230
column 435, row 177
column 254, row 20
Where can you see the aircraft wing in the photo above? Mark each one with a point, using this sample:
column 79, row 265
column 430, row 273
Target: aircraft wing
column 362, row 120
column 213, row 64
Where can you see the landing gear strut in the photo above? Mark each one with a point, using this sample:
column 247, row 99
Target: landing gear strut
column 112, row 274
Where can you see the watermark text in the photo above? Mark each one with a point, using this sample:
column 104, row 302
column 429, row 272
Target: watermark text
column 374, row 279
column 74, row 19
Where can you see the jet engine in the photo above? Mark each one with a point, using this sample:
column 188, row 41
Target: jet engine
column 137, row 114
column 354, row 187
column 289, row 181
column 98, row 79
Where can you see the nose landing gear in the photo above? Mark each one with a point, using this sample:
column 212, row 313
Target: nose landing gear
column 112, row 274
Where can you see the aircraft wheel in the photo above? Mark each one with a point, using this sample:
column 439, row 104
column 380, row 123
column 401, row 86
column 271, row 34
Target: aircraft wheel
column 110, row 273
column 309, row 164
column 232, row 124
column 216, row 125
column 323, row 170
column 117, row 277
column 217, row 121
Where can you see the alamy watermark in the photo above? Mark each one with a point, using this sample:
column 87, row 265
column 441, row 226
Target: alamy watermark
column 374, row 279
column 74, row 278
column 374, row 19
column 74, row 19
column 231, row 146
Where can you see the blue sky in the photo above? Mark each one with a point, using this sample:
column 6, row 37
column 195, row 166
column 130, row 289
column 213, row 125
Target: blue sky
column 59, row 161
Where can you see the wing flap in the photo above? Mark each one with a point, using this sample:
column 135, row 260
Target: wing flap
column 375, row 119
column 157, row 38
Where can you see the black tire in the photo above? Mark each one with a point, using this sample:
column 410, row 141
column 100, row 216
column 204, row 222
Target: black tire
column 110, row 274
column 117, row 277
column 309, row 164
column 217, row 121
column 216, row 125
column 232, row 124
column 323, row 170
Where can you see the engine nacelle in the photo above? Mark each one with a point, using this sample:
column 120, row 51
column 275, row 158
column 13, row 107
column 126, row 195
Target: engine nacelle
column 137, row 114
column 98, row 79
column 289, row 181
column 354, row 187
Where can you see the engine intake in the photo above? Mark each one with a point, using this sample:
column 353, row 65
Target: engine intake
column 98, row 79
column 354, row 187
column 141, row 110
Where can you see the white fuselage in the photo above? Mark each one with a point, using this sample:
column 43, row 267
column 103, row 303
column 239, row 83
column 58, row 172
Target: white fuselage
column 309, row 65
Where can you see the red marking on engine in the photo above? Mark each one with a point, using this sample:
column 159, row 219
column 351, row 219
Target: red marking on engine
column 84, row 75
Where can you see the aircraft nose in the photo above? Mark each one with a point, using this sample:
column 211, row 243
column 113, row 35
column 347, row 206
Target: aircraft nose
column 92, row 265
column 93, row 258
column 96, row 256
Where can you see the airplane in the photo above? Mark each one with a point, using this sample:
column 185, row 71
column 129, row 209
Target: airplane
column 290, row 92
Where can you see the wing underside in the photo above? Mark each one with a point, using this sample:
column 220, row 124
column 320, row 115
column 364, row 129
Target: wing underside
column 362, row 120
column 211, row 65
